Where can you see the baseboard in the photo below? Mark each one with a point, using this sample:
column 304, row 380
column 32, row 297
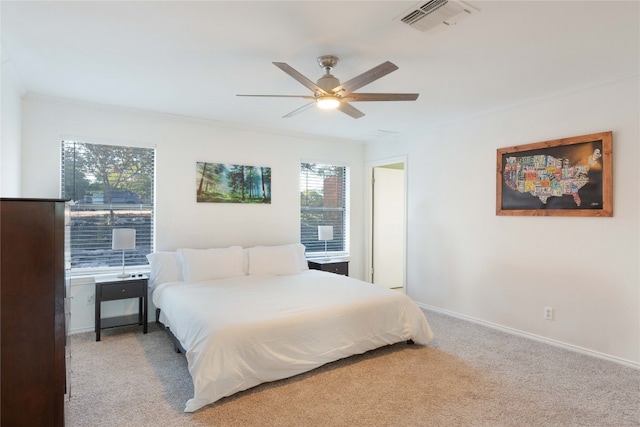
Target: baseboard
column 81, row 330
column 534, row 337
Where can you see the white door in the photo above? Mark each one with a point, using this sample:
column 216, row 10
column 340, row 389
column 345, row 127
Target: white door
column 388, row 227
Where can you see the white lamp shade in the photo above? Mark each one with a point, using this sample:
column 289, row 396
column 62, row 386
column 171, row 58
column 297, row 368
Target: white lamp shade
column 123, row 238
column 325, row 232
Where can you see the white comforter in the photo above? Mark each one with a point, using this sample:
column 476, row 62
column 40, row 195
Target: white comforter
column 243, row 331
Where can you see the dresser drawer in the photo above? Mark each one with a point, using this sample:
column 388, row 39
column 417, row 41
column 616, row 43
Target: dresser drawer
column 115, row 291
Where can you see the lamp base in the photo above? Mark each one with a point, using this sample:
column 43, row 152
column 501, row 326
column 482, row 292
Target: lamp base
column 326, row 254
column 123, row 275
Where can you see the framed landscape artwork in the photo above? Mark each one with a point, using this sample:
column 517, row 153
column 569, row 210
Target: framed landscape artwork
column 561, row 177
column 226, row 183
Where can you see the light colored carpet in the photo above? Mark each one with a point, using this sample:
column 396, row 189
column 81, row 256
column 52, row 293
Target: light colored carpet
column 469, row 376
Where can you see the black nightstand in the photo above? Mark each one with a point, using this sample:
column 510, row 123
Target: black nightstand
column 338, row 266
column 118, row 289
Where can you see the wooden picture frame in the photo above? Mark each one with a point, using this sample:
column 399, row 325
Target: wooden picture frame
column 561, row 177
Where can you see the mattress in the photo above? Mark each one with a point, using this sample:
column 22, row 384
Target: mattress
column 243, row 331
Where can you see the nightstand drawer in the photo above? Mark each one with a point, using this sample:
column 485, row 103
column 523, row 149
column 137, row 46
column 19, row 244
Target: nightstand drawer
column 115, row 291
column 340, row 268
column 331, row 266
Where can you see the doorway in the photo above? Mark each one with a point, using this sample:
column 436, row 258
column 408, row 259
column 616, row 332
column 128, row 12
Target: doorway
column 388, row 225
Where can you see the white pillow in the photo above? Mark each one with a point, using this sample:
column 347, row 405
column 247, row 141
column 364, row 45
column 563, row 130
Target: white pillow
column 165, row 267
column 302, row 259
column 208, row 264
column 277, row 260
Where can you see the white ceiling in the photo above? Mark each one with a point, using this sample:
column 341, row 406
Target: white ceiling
column 192, row 58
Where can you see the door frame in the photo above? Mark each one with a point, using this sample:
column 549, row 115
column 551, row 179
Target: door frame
column 369, row 216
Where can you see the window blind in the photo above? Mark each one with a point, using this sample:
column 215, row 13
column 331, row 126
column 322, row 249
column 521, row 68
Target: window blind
column 323, row 202
column 110, row 187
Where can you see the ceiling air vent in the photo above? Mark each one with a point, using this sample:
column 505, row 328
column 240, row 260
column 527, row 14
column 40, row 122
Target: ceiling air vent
column 426, row 16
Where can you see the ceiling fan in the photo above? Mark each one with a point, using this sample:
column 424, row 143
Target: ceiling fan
column 328, row 93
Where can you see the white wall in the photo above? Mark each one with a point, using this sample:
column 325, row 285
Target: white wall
column 180, row 143
column 464, row 259
column 10, row 125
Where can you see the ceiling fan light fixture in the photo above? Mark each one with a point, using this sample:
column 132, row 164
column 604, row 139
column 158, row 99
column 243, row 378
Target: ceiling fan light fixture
column 328, row 102
column 329, row 93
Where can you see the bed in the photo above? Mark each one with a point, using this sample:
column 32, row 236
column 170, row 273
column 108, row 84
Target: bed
column 249, row 316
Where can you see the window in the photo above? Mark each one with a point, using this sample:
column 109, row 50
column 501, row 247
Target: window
column 112, row 186
column 323, row 202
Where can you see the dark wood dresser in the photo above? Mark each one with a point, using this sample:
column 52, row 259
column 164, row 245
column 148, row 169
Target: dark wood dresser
column 32, row 312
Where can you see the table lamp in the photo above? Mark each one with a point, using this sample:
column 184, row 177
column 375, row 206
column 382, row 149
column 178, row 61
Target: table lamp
column 325, row 232
column 123, row 238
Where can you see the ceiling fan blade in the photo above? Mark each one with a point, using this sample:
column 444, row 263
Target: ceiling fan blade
column 300, row 78
column 281, row 96
column 350, row 110
column 299, row 110
column 365, row 78
column 354, row 97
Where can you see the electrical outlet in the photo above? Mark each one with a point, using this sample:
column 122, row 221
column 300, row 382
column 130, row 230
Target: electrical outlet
column 548, row 313
column 91, row 299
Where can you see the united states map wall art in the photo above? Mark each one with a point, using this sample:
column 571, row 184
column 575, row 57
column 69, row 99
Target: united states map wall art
column 561, row 177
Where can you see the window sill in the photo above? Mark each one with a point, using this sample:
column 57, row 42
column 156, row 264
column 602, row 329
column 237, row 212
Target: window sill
column 97, row 272
column 332, row 255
